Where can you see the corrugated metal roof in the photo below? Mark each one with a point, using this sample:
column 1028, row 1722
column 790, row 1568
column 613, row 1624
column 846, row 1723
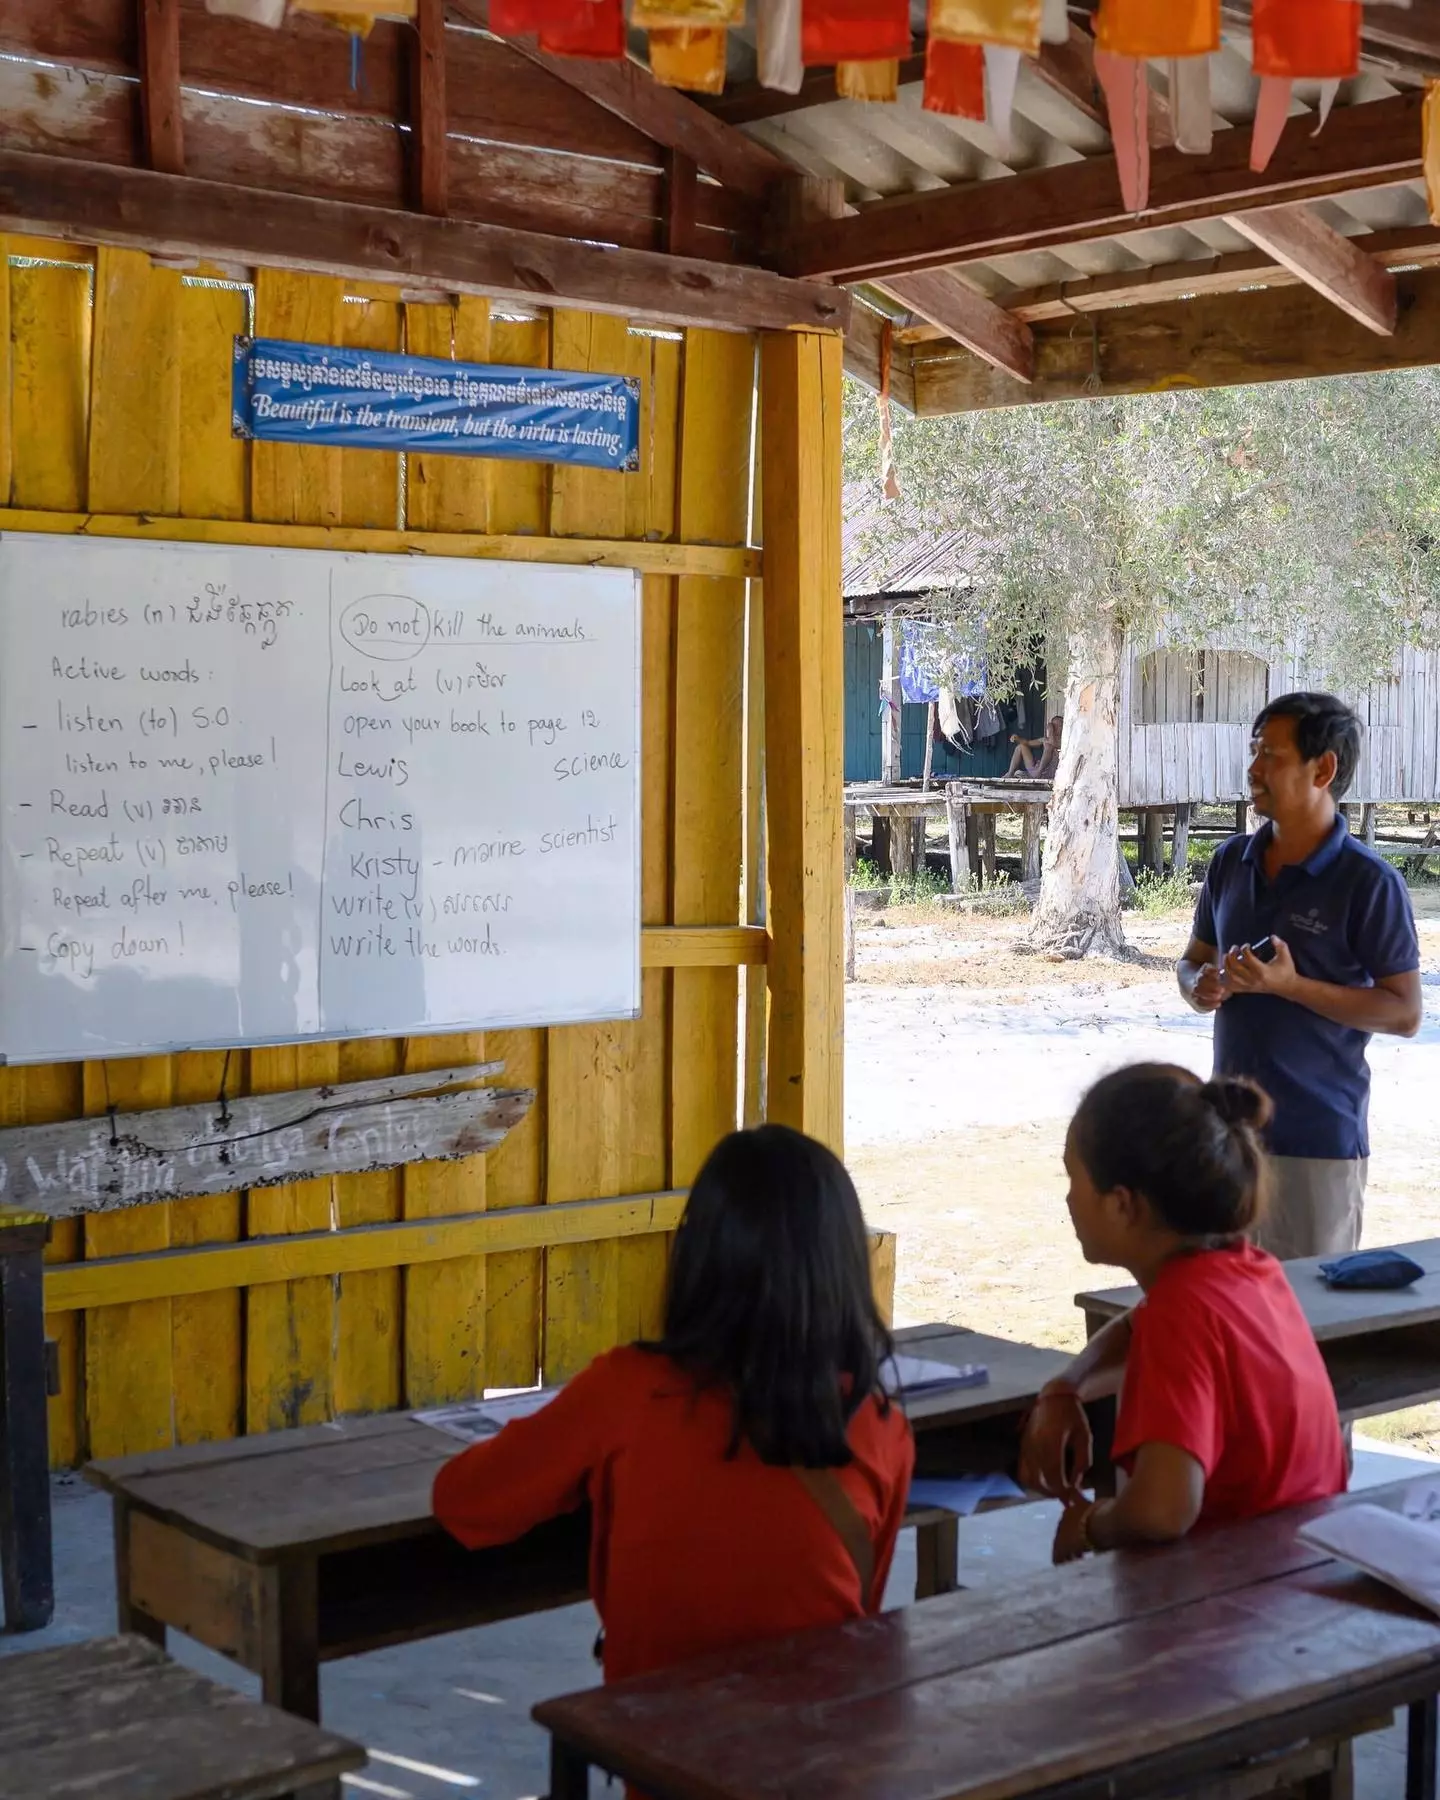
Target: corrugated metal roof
column 920, row 562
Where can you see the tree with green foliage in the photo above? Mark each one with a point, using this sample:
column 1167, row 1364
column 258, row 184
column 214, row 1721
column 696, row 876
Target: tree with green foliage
column 1303, row 515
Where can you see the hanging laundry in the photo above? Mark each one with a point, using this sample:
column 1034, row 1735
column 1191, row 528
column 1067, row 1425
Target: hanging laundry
column 778, row 62
column 1271, row 112
column 918, row 655
column 1012, row 24
column 596, row 30
column 1306, row 40
column 954, row 78
column 1145, row 28
column 1002, row 72
column 693, row 15
column 952, row 720
column 1191, row 114
column 258, row 12
column 1123, row 80
column 988, row 721
column 868, row 80
column 1430, row 154
column 836, row 31
column 1054, row 22
column 692, row 59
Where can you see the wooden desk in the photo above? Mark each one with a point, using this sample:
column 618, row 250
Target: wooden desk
column 1124, row 1676
column 115, row 1718
column 301, row 1547
column 1382, row 1349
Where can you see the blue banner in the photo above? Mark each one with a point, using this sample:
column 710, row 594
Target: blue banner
column 376, row 400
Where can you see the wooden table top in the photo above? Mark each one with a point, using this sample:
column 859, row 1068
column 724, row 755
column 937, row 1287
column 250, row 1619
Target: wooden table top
column 327, row 1488
column 1069, row 1675
column 116, row 1717
column 1333, row 1313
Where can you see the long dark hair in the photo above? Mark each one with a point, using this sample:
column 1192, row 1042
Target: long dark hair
column 1191, row 1147
column 769, row 1296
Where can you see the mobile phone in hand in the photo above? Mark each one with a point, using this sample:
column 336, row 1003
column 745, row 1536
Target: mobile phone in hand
column 1264, row 951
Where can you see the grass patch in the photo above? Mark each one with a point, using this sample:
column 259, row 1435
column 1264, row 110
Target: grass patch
column 1156, row 896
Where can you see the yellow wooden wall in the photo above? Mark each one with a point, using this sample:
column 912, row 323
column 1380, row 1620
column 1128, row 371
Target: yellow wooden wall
column 116, row 401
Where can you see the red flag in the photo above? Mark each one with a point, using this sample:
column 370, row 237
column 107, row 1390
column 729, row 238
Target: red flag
column 595, row 28
column 954, row 78
column 1315, row 40
column 836, row 31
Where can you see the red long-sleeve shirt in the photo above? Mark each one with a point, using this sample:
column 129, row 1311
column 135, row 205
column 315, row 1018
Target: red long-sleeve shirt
column 691, row 1551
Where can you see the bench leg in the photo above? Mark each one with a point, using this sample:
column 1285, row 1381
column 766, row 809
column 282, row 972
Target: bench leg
column 26, row 1553
column 129, row 1616
column 937, row 1558
column 1420, row 1761
column 290, row 1634
column 569, row 1773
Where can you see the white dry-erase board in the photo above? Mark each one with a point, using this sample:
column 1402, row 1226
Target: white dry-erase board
column 255, row 795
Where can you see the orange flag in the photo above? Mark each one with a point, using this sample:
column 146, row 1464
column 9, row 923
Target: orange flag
column 1011, row 24
column 684, row 58
column 1145, row 28
column 1430, row 156
column 1317, row 40
column 879, row 80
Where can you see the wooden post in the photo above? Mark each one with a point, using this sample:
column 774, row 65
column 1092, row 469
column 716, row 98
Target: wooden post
column 800, row 409
column 1031, row 819
column 1180, row 842
column 987, row 846
column 929, row 749
column 1127, row 880
column 881, row 840
column 955, row 811
column 850, row 841
column 891, row 717
column 1368, row 826
column 849, row 932
column 160, row 107
column 1242, row 814
column 1152, row 840
column 902, row 846
column 429, row 114
column 972, row 845
column 26, row 1566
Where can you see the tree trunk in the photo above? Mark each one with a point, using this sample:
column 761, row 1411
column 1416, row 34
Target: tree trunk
column 1079, row 910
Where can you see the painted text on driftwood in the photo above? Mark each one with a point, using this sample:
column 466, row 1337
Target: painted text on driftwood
column 174, row 1153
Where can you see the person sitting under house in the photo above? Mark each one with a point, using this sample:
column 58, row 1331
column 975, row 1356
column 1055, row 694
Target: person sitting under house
column 1026, row 762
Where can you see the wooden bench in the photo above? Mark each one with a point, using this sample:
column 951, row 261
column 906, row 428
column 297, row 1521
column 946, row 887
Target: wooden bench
column 1231, row 1663
column 1382, row 1349
column 298, row 1548
column 115, row 1719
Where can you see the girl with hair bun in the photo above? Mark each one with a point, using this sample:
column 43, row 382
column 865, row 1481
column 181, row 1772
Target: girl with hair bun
column 1226, row 1410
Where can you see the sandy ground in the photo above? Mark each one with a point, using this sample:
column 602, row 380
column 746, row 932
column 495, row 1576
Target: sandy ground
column 964, row 1060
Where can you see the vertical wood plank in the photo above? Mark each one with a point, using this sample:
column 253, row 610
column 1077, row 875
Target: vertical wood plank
column 160, row 112
column 706, row 844
column 50, row 385
column 214, row 466
column 5, row 404
column 607, row 1101
column 800, row 402
column 445, row 1304
column 290, row 1325
column 134, row 466
column 370, row 319
column 429, row 112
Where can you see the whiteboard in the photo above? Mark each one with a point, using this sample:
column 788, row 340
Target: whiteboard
column 257, row 795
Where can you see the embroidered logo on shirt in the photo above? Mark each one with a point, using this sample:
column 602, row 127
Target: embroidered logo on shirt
column 1310, row 923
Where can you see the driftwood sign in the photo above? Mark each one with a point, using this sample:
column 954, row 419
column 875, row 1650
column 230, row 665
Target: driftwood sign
column 174, row 1153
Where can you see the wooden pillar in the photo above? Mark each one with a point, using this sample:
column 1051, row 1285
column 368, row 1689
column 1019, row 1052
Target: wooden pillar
column 1367, row 829
column 1152, row 840
column 1180, row 841
column 891, row 717
column 955, row 831
column 26, row 1569
column 880, row 840
column 1242, row 816
column 972, row 845
column 850, row 841
column 987, row 846
column 929, row 750
column 1031, row 819
column 800, row 410
column 902, row 845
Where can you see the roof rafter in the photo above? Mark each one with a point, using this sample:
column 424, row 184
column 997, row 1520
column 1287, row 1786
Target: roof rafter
column 1335, row 266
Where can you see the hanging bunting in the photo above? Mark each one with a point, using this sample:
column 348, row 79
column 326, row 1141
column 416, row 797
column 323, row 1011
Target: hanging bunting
column 1306, row 40
column 889, row 479
column 777, row 54
column 1012, row 24
column 1054, row 22
column 357, row 16
column 1271, row 112
column 954, row 78
column 693, row 59
column 1002, row 72
column 1123, row 80
column 528, row 18
column 1430, row 154
column 692, row 15
column 258, row 12
column 868, row 80
column 596, row 29
column 836, row 31
column 1146, row 28
column 1190, row 111
column 1328, row 91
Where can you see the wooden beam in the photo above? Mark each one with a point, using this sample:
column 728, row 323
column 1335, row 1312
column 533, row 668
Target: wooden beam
column 940, row 295
column 800, row 408
column 663, row 114
column 1335, row 266
column 91, row 203
column 680, row 186
column 1373, row 145
column 862, row 356
column 1402, row 248
column 1277, row 334
column 160, row 112
column 429, row 115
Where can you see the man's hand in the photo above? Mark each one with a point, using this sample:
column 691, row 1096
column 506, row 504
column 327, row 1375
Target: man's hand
column 1070, row 1544
column 1201, row 975
column 1058, row 1445
column 1246, row 974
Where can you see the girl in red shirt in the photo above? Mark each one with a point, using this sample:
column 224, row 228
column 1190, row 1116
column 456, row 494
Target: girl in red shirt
column 1226, row 1410
column 747, row 1474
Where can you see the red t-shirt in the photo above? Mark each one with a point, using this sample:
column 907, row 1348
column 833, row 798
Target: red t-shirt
column 691, row 1551
column 1223, row 1365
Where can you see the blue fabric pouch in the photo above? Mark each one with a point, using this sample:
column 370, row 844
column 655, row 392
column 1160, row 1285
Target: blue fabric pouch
column 1372, row 1269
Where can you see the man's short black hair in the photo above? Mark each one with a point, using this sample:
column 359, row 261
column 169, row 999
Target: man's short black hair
column 1321, row 723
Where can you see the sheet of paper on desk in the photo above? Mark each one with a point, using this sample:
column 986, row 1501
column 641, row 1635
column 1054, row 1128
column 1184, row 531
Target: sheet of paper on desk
column 1402, row 1552
column 962, row 1494
column 915, row 1375
column 477, row 1420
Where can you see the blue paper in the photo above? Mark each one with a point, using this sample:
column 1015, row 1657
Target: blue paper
column 963, row 1494
column 377, row 400
column 1372, row 1269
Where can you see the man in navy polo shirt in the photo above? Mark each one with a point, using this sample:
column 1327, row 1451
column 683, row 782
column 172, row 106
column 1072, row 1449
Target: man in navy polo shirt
column 1345, row 965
